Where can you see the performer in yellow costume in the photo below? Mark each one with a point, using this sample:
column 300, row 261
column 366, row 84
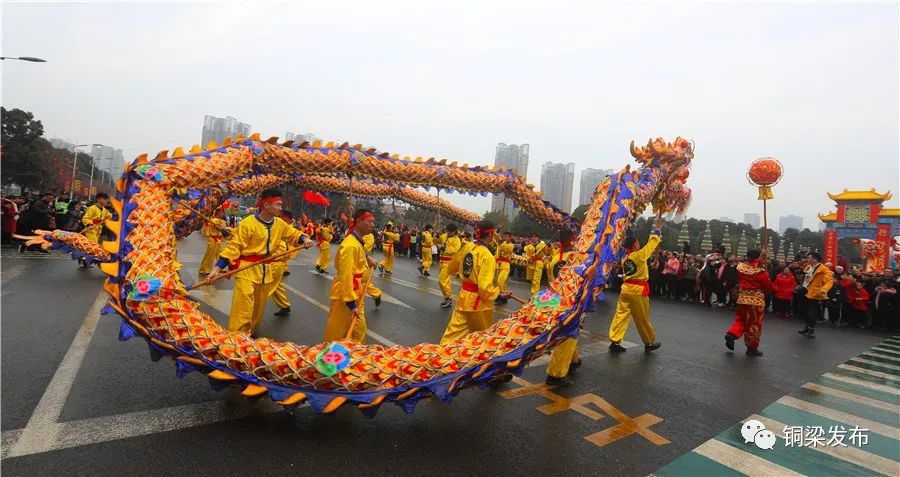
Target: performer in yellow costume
column 93, row 220
column 214, row 231
column 528, row 250
column 324, row 234
column 427, row 243
column 475, row 304
column 634, row 299
column 256, row 238
column 564, row 358
column 451, row 245
column 351, row 264
column 536, row 258
column 279, row 271
column 388, row 241
column 371, row 289
column 503, row 255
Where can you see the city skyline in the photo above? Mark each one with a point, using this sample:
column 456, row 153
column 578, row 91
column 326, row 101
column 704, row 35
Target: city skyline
column 590, row 179
column 515, row 158
column 577, row 111
column 752, row 218
column 217, row 129
column 557, row 180
column 789, row 222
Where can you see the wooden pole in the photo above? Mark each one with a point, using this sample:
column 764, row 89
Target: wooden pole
column 264, row 261
column 207, row 219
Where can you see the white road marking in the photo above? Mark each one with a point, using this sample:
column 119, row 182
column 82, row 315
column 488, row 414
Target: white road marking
column 323, row 307
column 41, row 431
column 384, row 296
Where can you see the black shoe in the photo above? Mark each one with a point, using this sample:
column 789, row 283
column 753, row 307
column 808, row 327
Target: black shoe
column 283, row 312
column 616, row 348
column 202, row 274
column 381, row 268
column 377, row 301
column 286, row 273
column 811, row 333
column 421, row 271
column 574, row 365
column 652, row 347
column 318, row 269
column 729, row 341
column 502, row 379
column 22, row 247
column 754, row 352
column 554, row 381
column 426, row 273
column 804, row 331
column 447, row 303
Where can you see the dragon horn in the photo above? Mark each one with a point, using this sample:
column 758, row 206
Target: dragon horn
column 635, row 151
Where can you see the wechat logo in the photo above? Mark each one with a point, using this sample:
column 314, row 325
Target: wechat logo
column 756, row 432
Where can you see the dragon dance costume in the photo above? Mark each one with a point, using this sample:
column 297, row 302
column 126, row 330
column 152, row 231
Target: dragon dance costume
column 253, row 241
column 427, row 243
column 324, row 234
column 474, row 309
column 634, row 299
column 753, row 284
column 565, row 356
column 214, row 238
column 452, row 244
column 279, row 267
column 93, row 219
column 371, row 289
column 351, row 266
column 503, row 255
column 536, row 259
column 388, row 242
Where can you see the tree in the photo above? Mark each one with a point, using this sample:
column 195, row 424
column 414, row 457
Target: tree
column 498, row 218
column 418, row 217
column 25, row 159
column 580, row 212
column 523, row 226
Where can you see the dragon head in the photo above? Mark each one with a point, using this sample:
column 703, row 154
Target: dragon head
column 671, row 161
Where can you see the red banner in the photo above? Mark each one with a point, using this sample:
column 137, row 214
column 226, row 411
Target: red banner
column 841, row 212
column 874, row 210
column 831, row 246
column 883, row 247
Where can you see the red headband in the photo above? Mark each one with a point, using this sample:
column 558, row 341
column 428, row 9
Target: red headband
column 261, row 202
column 482, row 232
column 364, row 216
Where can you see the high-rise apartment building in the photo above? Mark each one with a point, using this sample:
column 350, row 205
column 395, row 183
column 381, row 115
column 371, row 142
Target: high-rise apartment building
column 790, row 222
column 514, row 157
column 556, row 184
column 590, row 179
column 217, row 129
column 752, row 220
column 299, row 138
column 108, row 159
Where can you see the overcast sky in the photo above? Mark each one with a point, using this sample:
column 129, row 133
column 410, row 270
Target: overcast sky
column 814, row 85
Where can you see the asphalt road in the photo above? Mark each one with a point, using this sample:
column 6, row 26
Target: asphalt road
column 76, row 401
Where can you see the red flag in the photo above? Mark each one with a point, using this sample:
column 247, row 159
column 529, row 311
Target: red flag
column 315, row 198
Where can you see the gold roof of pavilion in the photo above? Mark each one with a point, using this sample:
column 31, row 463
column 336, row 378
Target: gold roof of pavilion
column 860, row 195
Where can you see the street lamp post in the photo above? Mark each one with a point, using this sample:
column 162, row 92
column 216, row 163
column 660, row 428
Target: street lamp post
column 74, row 163
column 24, row 58
column 93, row 164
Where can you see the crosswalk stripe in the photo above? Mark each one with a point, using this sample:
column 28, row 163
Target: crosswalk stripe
column 875, row 363
column 850, row 454
column 866, row 384
column 852, row 397
column 882, row 356
column 889, row 378
column 828, row 413
column 741, row 461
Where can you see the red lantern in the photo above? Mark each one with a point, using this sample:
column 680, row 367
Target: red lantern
column 765, row 172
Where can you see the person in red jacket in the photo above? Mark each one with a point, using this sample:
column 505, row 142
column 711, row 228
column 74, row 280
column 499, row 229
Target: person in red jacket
column 753, row 284
column 784, row 292
column 859, row 301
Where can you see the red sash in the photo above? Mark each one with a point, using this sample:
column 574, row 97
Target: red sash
column 356, row 277
column 502, row 260
column 472, row 287
column 246, row 258
column 643, row 283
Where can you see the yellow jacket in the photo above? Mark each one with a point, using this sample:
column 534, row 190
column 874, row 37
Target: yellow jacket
column 451, row 246
column 476, row 267
column 505, row 250
column 556, row 264
column 822, row 281
column 93, row 219
column 536, row 253
column 213, row 232
column 324, row 234
column 253, row 240
column 351, row 265
column 427, row 240
column 442, row 239
column 388, row 239
column 368, row 242
column 634, row 267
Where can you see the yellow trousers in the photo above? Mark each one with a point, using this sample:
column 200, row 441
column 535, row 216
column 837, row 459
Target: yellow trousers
column 210, row 256
column 324, row 255
column 629, row 306
column 371, row 289
column 536, row 277
column 562, row 357
column 444, row 280
column 464, row 322
column 426, row 258
column 339, row 319
column 502, row 275
column 279, row 295
column 388, row 262
column 529, row 271
column 248, row 304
